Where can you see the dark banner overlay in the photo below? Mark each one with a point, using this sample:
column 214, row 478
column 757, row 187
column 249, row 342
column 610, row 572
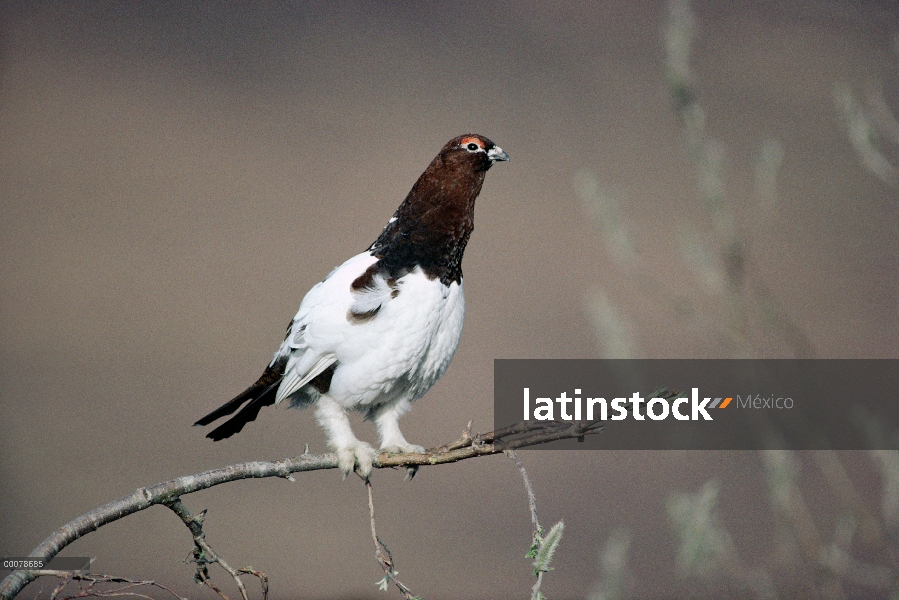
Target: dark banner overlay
column 706, row 404
column 57, row 563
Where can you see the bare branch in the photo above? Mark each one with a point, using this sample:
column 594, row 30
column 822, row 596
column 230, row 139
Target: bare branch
column 92, row 579
column 543, row 546
column 520, row 435
column 382, row 553
column 204, row 555
column 532, row 499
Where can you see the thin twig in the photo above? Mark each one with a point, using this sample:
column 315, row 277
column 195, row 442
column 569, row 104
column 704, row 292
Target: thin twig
column 532, row 499
column 204, row 554
column 535, row 522
column 260, row 575
column 203, row 577
column 61, row 585
column 92, row 579
column 385, row 558
column 462, row 442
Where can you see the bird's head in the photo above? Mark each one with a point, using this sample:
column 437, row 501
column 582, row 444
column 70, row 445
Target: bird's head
column 473, row 149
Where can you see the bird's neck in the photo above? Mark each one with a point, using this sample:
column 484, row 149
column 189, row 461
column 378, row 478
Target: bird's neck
column 430, row 229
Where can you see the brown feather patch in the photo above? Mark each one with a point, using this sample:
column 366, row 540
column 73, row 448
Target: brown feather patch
column 322, row 381
column 366, row 280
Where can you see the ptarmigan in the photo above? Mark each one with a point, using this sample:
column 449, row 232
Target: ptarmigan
column 381, row 329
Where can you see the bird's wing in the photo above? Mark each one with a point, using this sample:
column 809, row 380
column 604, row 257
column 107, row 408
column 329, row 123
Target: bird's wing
column 328, row 320
column 293, row 380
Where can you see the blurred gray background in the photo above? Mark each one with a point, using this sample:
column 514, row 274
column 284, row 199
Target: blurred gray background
column 175, row 176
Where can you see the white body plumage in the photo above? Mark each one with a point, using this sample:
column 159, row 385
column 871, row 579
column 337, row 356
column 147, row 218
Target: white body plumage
column 387, row 361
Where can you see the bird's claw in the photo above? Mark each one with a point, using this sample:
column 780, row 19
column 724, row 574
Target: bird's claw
column 358, row 457
column 406, row 448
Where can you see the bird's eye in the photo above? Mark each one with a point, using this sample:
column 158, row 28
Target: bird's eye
column 471, row 144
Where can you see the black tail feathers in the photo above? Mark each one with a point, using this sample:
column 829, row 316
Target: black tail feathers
column 262, row 393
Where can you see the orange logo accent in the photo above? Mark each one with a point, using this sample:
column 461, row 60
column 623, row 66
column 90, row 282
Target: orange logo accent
column 725, row 403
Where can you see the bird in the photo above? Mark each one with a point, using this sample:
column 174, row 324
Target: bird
column 381, row 328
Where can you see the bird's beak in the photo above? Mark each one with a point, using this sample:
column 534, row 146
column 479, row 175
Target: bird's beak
column 496, row 153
